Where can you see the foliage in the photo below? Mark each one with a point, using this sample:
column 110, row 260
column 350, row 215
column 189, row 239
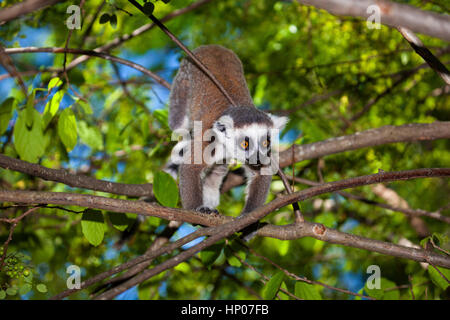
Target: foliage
column 110, row 122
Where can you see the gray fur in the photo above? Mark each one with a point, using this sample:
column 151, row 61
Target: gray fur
column 245, row 115
column 179, row 98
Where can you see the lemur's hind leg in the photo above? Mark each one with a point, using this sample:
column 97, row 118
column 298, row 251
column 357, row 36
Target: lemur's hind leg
column 258, row 186
column 211, row 187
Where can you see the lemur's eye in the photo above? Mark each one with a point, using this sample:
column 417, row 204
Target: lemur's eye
column 244, row 144
column 266, row 143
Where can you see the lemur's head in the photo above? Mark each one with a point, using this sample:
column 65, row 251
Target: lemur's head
column 247, row 134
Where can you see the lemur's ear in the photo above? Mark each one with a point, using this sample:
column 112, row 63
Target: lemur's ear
column 278, row 122
column 223, row 124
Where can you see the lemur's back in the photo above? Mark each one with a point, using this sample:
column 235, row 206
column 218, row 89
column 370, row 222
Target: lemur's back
column 194, row 97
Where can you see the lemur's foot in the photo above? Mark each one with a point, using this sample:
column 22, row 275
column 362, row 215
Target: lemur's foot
column 204, row 209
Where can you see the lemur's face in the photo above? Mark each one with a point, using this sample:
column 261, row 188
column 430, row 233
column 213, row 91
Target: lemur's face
column 250, row 144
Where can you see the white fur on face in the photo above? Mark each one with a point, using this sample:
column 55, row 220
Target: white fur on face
column 232, row 139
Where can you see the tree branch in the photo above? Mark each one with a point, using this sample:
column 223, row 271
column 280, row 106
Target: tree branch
column 368, row 138
column 123, row 38
column 280, row 232
column 102, row 55
column 190, row 54
column 392, row 14
column 74, row 180
column 24, row 7
column 315, row 230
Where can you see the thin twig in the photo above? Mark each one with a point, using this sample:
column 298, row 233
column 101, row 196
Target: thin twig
column 185, row 49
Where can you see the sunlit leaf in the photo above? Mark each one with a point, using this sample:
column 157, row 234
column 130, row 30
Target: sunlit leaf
column 272, row 286
column 67, row 129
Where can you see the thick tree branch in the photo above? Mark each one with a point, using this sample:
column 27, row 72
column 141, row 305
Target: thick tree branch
column 24, row 7
column 74, row 180
column 368, row 138
column 392, row 14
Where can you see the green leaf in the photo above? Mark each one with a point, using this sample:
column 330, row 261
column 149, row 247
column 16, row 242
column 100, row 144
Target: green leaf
column 234, row 262
column 183, row 267
column 52, row 106
column 165, row 189
column 104, row 18
column 42, row 288
column 162, row 115
column 90, row 135
column 119, row 220
column 29, row 141
column 307, row 291
column 210, row 254
column 282, row 295
column 231, row 251
column 382, row 293
column 93, row 226
column 112, row 98
column 29, row 110
column 54, row 82
column 67, row 129
column 2, row 294
column 437, row 278
column 424, row 241
column 85, row 106
column 148, row 8
column 6, row 113
column 271, row 288
column 113, row 21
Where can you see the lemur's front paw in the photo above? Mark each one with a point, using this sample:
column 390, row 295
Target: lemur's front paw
column 204, row 209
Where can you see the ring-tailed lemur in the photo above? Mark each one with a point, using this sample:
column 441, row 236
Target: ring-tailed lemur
column 239, row 132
